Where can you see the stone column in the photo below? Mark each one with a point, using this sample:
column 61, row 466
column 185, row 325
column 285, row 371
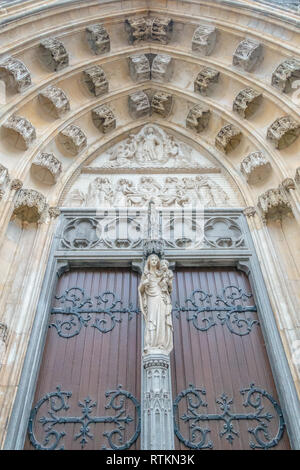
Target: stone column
column 157, row 406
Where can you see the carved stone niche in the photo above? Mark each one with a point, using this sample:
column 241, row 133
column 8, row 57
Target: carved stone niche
column 274, row 204
column 204, row 39
column 139, row 105
column 143, row 29
column 103, row 118
column 283, row 132
column 248, row 54
column 95, row 79
column 15, row 74
column 162, row 68
column 20, row 131
column 228, row 138
column 255, row 167
column 73, row 139
column 198, row 118
column 30, row 205
column 206, row 79
column 139, row 67
column 53, row 54
column 46, row 168
column 4, row 180
column 162, row 103
column 247, row 102
column 98, row 38
column 285, row 74
column 54, row 101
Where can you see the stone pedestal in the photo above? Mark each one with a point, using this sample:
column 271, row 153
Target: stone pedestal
column 157, row 406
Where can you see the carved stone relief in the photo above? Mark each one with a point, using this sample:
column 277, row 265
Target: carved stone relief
column 204, row 39
column 54, row 101
column 139, row 67
column 20, row 131
column 46, row 168
column 283, row 132
column 255, row 167
column 145, row 28
column 53, row 54
column 103, row 118
column 15, row 74
column 228, row 138
column 247, row 102
column 285, row 74
column 73, row 139
column 98, row 38
column 223, row 232
column 139, row 105
column 274, row 204
column 198, row 118
column 4, row 180
column 206, row 80
column 95, row 80
column 30, row 205
column 161, row 103
column 162, row 68
column 248, row 54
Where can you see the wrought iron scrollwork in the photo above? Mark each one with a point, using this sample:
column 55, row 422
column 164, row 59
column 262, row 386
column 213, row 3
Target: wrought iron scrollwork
column 229, row 309
column 58, row 401
column 80, row 311
column 198, row 436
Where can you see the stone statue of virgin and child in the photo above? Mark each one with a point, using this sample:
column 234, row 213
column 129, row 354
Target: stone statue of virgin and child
column 155, row 302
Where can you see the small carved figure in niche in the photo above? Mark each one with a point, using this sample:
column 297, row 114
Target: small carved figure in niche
column 155, row 302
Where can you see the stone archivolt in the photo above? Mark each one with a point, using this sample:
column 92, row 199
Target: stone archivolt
column 247, row 102
column 46, row 168
column 198, row 118
column 15, row 74
column 228, row 138
column 95, row 79
column 30, row 206
column 285, row 74
column 248, row 54
column 55, row 101
column 142, row 28
column 73, row 139
column 98, row 38
column 255, row 167
column 53, row 54
column 283, row 132
column 204, row 39
column 206, row 79
column 274, row 204
column 103, row 118
column 20, row 131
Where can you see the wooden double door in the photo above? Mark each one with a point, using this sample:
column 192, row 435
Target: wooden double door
column 88, row 391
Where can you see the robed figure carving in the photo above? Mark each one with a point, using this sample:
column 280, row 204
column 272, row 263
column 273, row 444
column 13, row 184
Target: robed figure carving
column 155, row 302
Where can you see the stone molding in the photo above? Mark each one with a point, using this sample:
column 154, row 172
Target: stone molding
column 283, row 132
column 206, row 80
column 20, row 131
column 30, row 206
column 15, row 74
column 98, row 38
column 204, row 39
column 198, row 118
column 55, row 101
column 285, row 74
column 73, row 139
column 103, row 118
column 53, row 54
column 95, row 79
column 46, row 168
column 228, row 138
column 248, row 54
column 255, row 167
column 247, row 102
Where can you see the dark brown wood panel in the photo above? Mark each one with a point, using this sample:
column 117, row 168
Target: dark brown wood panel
column 90, row 363
column 220, row 361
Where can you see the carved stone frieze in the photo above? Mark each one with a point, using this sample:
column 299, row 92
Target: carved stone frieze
column 30, row 205
column 15, row 74
column 206, row 79
column 255, row 167
column 20, row 131
column 247, row 102
column 285, row 74
column 248, row 54
column 98, row 38
column 139, row 67
column 46, row 168
column 198, row 118
column 283, row 132
column 53, row 54
column 162, row 68
column 54, row 101
column 204, row 39
column 4, row 180
column 139, row 105
column 73, row 139
column 95, row 79
column 103, row 118
column 228, row 138
column 161, row 103
column 141, row 28
column 274, row 204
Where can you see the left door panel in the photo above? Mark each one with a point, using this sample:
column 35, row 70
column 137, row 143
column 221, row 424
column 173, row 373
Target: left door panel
column 88, row 390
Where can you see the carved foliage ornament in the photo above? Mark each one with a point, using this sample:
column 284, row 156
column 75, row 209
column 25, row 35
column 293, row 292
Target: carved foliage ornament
column 95, row 80
column 139, row 105
column 53, row 54
column 73, row 139
column 15, row 74
column 248, row 54
column 204, row 39
column 98, row 38
column 103, row 118
column 255, row 167
column 139, row 67
column 161, row 103
column 198, row 118
column 146, row 28
column 55, row 101
column 162, row 68
column 274, row 204
column 4, row 180
column 20, row 131
column 285, row 74
column 247, row 102
column 283, row 132
column 228, row 138
column 206, row 79
column 30, row 205
column 46, row 168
